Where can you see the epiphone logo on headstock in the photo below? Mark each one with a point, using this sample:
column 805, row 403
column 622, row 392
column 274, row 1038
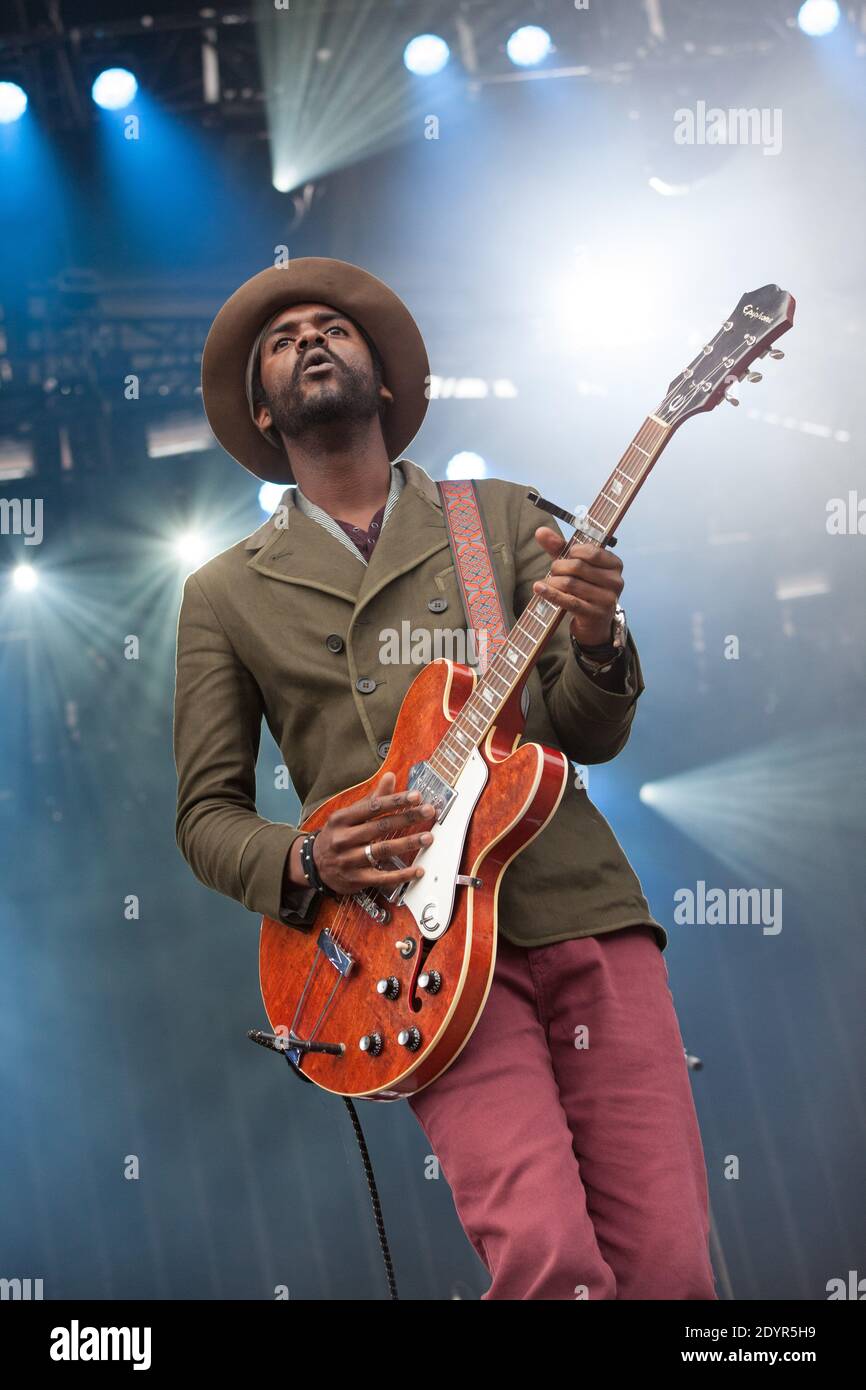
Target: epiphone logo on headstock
column 752, row 313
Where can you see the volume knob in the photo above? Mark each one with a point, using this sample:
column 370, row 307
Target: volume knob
column 372, row 1043
column 390, row 988
column 431, row 981
column 409, row 1037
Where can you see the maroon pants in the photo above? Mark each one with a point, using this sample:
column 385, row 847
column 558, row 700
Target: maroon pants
column 566, row 1128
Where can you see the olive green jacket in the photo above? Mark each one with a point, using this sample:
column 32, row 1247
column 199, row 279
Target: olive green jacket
column 289, row 625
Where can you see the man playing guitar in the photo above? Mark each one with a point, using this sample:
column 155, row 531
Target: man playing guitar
column 566, row 1126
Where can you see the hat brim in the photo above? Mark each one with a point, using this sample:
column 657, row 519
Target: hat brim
column 320, row 280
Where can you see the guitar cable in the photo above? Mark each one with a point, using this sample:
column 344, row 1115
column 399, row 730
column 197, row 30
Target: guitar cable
column 374, row 1196
column 274, row 1043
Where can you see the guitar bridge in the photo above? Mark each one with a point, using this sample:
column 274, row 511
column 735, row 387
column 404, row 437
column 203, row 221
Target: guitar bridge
column 372, row 908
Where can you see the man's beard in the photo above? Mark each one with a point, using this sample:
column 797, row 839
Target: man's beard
column 347, row 394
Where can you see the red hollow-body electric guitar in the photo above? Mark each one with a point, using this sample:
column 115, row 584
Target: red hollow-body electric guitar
column 384, row 992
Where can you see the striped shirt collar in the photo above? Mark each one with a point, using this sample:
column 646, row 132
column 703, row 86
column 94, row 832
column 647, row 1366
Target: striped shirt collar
column 316, row 513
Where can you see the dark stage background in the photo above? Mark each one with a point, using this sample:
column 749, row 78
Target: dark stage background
column 565, row 257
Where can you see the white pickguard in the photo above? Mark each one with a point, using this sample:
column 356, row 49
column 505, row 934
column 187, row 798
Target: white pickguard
column 431, row 899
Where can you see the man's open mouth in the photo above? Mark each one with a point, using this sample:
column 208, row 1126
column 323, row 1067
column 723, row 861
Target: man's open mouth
column 317, row 362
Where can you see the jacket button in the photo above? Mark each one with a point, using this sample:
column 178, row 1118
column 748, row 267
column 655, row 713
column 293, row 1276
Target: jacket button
column 437, row 605
column 382, row 748
column 365, row 685
column 334, row 643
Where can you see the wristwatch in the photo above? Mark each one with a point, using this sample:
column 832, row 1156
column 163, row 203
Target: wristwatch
column 595, row 660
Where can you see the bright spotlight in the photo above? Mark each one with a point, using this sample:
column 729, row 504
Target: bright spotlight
column 607, row 301
column 425, row 55
column 466, row 465
column 647, row 794
column 528, row 46
column 13, row 102
column 114, row 89
column 285, row 180
column 818, row 17
column 25, row 578
column 192, row 549
column 269, row 497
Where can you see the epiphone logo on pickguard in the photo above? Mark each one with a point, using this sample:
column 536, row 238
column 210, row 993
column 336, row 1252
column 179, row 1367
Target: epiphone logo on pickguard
column 752, row 313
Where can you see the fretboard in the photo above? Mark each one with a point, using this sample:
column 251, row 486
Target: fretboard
column 514, row 656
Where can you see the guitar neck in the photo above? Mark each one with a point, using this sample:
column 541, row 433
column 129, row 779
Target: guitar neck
column 513, row 660
column 623, row 485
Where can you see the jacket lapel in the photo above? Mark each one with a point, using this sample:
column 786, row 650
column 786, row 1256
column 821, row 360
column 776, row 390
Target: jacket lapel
column 302, row 552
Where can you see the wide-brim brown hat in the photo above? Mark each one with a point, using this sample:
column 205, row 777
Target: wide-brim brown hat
column 310, row 279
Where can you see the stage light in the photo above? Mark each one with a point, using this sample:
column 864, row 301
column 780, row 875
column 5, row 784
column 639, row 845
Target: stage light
column 607, row 301
column 528, row 46
column 192, row 549
column 269, row 497
column 114, row 89
column 385, row 87
column 667, row 190
column 818, row 17
column 24, row 578
column 13, row 102
column 284, row 180
column 749, row 810
column 466, row 465
column 802, row 586
column 426, row 55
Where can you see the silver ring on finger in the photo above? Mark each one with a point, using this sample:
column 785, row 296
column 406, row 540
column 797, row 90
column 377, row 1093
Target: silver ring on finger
column 368, row 850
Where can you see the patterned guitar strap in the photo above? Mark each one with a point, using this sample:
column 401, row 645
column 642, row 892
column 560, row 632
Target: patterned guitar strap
column 479, row 589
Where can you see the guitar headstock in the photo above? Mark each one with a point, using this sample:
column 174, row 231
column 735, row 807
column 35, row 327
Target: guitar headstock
column 759, row 319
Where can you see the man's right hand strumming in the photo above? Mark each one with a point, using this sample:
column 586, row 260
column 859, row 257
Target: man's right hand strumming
column 339, row 849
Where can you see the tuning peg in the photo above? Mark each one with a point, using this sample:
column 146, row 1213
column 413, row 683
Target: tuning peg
column 754, row 376
column 776, row 353
column 732, row 400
